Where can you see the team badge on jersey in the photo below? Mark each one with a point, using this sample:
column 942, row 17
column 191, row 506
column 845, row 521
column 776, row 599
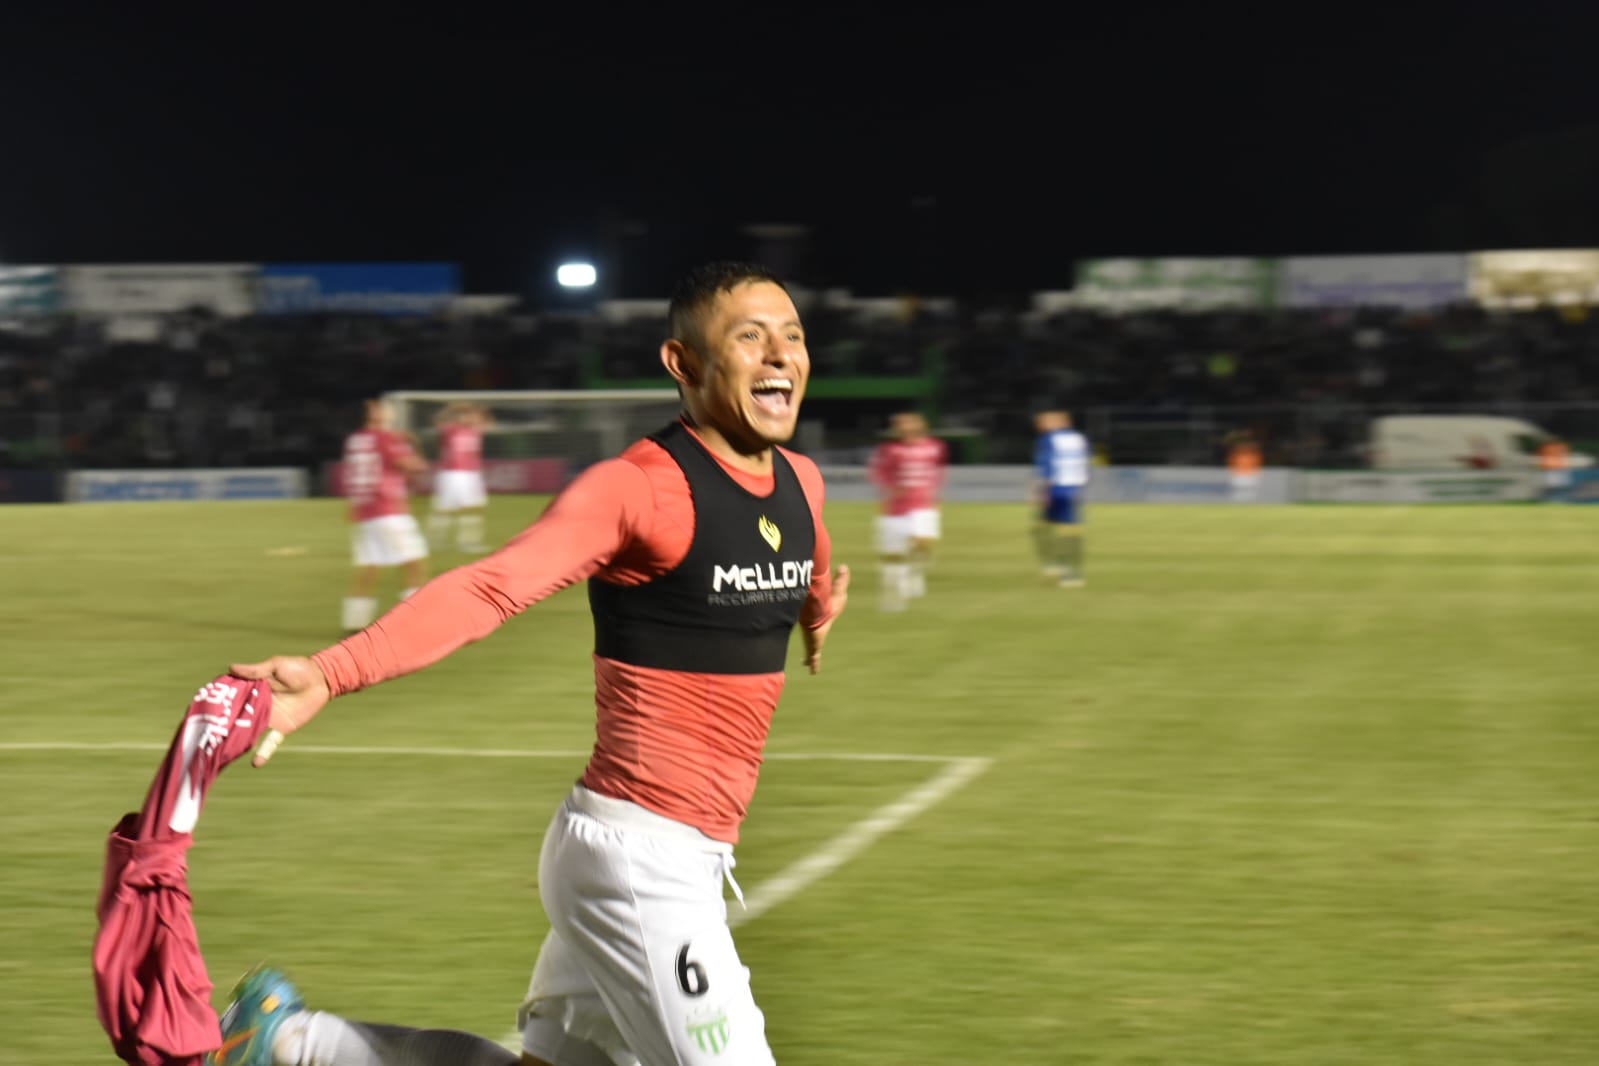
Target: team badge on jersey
column 770, row 533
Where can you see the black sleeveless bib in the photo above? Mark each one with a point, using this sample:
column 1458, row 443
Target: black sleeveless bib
column 730, row 605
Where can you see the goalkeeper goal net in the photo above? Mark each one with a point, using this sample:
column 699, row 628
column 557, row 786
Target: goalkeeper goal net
column 575, row 427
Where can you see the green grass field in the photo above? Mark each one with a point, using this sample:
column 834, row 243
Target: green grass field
column 1280, row 785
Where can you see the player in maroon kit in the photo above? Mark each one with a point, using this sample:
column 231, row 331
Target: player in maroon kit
column 909, row 473
column 459, row 492
column 703, row 546
column 379, row 462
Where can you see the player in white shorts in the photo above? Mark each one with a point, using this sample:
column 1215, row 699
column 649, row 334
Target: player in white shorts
column 392, row 540
column 611, row 865
column 909, row 473
column 639, row 964
column 460, row 493
column 458, row 490
column 378, row 461
column 896, row 533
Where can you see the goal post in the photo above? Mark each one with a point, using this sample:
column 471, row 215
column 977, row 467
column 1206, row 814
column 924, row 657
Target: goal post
column 577, row 427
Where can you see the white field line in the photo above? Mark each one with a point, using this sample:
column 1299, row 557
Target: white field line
column 857, row 838
column 763, row 897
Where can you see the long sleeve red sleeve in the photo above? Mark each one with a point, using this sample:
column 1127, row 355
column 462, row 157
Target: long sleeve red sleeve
column 607, row 507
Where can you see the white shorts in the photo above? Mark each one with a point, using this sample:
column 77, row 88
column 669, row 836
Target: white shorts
column 388, row 541
column 455, row 490
column 639, row 964
column 895, row 532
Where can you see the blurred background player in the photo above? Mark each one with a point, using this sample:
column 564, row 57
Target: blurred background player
column 459, row 493
column 378, row 464
column 1554, row 458
column 1243, row 466
column 1061, row 461
column 909, row 472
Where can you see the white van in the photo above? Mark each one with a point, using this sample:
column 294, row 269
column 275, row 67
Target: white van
column 1459, row 442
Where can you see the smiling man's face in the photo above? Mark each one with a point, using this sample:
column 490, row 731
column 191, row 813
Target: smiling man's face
column 744, row 375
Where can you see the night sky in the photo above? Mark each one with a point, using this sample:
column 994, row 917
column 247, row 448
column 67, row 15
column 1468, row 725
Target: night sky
column 977, row 152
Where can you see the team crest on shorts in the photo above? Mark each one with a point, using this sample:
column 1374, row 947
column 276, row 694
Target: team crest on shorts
column 711, row 1036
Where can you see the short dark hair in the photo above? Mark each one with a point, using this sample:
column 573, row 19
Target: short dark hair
column 700, row 287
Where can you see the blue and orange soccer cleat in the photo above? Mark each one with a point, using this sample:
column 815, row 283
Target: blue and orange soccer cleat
column 261, row 1000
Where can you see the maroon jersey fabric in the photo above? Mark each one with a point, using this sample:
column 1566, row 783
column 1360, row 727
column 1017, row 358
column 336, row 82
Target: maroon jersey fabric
column 151, row 987
column 910, row 474
column 460, row 447
column 374, row 480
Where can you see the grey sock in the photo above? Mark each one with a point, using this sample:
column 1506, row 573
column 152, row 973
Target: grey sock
column 329, row 1040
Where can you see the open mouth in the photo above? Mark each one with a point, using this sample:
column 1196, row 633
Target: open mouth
column 773, row 395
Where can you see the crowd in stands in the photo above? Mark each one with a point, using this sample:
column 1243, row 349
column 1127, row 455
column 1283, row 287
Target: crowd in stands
column 200, row 391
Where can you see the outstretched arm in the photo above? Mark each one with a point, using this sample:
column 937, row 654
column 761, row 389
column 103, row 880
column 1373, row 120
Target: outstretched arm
column 588, row 524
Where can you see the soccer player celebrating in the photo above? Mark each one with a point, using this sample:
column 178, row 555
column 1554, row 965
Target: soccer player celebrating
column 909, row 473
column 1061, row 465
column 703, row 546
column 378, row 463
column 459, row 493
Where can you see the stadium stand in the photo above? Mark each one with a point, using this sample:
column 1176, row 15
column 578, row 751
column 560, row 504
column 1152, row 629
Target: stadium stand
column 1153, row 386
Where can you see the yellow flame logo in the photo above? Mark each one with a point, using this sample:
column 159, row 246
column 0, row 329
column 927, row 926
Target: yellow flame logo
column 770, row 533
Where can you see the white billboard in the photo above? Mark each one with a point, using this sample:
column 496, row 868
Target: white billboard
column 1535, row 277
column 144, row 289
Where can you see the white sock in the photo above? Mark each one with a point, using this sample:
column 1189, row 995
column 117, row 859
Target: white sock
column 469, row 532
column 907, row 580
column 916, row 582
column 406, row 594
column 359, row 611
column 288, row 1043
column 895, row 576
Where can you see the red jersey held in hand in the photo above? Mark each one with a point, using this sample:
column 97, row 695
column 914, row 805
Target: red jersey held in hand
column 152, row 992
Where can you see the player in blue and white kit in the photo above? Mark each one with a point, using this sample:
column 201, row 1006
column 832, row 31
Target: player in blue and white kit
column 1061, row 463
